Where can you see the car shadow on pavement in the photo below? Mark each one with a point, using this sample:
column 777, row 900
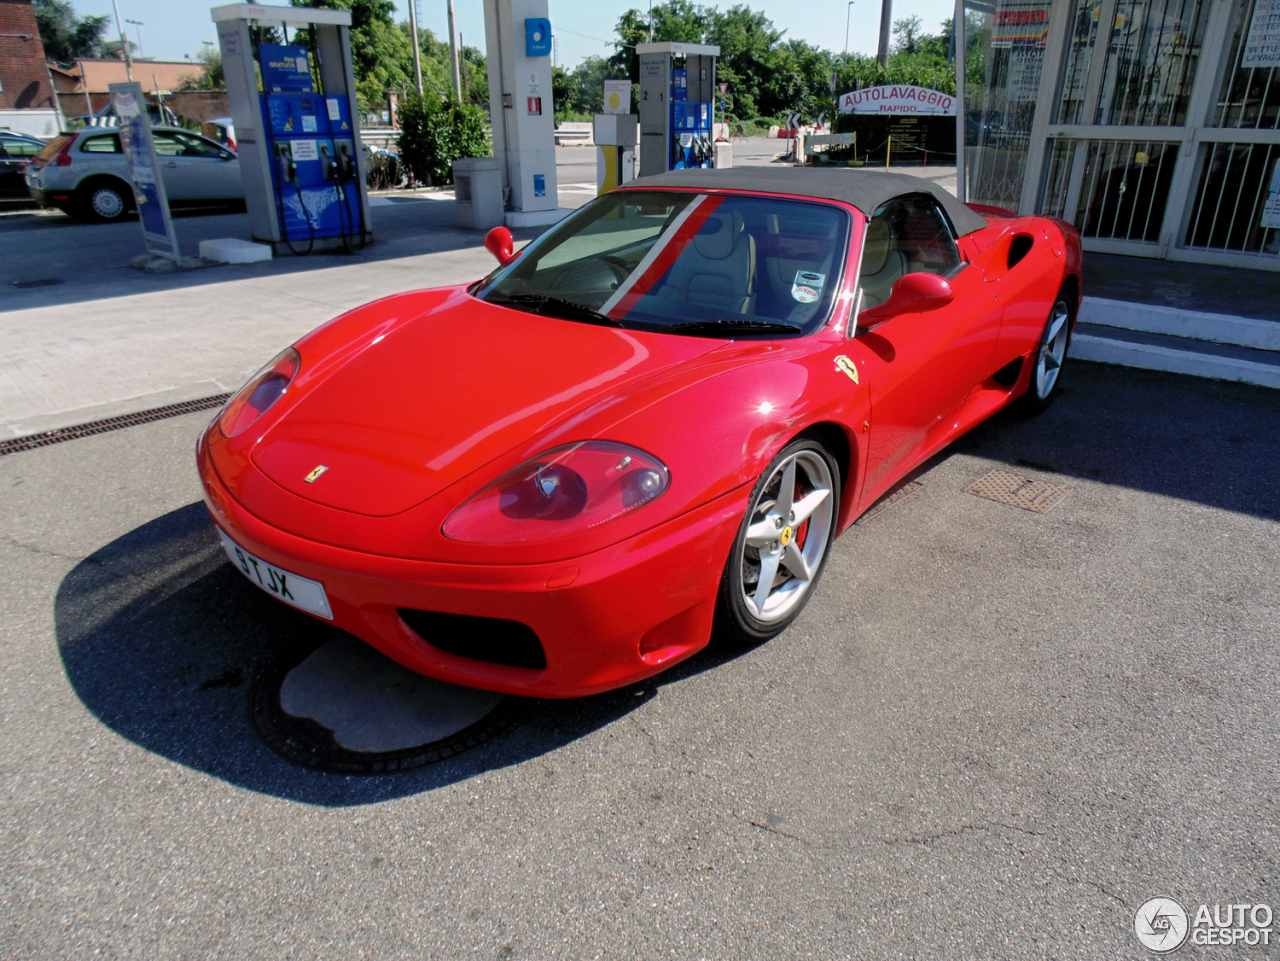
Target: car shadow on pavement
column 1213, row 442
column 162, row 639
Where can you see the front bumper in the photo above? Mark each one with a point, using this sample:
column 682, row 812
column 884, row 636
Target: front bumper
column 623, row 613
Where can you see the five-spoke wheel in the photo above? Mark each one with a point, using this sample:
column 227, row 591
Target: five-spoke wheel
column 1048, row 359
column 783, row 544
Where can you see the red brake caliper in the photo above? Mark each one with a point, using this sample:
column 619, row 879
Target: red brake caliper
column 802, row 531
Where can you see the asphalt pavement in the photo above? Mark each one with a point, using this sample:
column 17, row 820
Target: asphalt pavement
column 993, row 733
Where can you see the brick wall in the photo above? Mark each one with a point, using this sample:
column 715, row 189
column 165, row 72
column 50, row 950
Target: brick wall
column 23, row 74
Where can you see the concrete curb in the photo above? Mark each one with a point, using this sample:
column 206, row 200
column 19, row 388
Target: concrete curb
column 1153, row 357
column 1175, row 322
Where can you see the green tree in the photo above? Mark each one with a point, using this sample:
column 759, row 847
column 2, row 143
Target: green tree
column 906, row 34
column 565, row 93
column 588, row 84
column 65, row 36
column 213, row 77
column 770, row 75
column 382, row 56
column 380, row 50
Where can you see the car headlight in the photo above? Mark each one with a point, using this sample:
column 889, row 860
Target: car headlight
column 265, row 388
column 566, row 490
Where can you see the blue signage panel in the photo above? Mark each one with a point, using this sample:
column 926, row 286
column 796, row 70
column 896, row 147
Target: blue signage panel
column 537, row 37
column 285, row 69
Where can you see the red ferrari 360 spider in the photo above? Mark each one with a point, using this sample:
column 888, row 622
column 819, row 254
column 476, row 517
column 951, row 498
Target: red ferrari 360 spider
column 648, row 425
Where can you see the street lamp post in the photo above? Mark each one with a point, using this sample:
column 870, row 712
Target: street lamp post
column 417, row 51
column 848, row 12
column 124, row 43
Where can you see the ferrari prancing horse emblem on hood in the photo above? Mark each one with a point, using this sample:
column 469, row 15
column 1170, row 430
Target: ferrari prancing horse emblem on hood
column 849, row 367
column 315, row 474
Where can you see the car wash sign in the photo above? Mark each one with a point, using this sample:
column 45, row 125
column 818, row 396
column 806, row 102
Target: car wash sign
column 899, row 98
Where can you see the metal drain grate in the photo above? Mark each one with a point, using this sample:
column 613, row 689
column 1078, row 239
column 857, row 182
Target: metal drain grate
column 1005, row 488
column 44, row 439
column 28, row 284
column 888, row 501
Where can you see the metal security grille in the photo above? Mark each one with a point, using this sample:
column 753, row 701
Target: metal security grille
column 1145, row 77
column 1250, row 97
column 1007, row 37
column 1228, row 209
column 1111, row 189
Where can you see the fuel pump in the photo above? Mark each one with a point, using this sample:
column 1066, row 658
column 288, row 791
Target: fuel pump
column 298, row 138
column 302, row 125
column 677, row 84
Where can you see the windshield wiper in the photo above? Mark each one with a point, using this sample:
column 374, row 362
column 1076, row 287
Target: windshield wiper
column 727, row 327
column 565, row 309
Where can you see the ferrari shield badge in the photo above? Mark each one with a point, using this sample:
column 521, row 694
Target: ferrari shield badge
column 315, row 474
column 849, row 367
column 807, row 287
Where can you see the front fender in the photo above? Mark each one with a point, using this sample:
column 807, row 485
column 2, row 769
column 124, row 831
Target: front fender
column 719, row 430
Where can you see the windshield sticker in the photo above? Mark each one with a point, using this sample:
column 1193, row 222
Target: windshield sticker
column 807, row 287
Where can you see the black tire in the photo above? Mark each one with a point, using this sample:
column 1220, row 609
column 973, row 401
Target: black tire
column 1048, row 360
column 104, row 200
column 736, row 621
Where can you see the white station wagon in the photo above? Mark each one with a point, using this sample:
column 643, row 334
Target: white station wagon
column 85, row 173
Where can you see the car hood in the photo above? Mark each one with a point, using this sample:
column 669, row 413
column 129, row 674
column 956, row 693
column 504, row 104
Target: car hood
column 444, row 394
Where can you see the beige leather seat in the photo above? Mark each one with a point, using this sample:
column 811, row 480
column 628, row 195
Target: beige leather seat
column 882, row 266
column 717, row 269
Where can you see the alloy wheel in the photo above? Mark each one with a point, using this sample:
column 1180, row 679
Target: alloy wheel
column 1053, row 350
column 787, row 536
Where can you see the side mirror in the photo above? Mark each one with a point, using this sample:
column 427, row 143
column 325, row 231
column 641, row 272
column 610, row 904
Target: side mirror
column 499, row 242
column 912, row 294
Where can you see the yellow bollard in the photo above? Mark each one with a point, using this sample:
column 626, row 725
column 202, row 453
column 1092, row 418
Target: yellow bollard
column 888, row 148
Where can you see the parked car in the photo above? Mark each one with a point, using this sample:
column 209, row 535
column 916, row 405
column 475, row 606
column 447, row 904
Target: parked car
column 85, row 174
column 648, row 425
column 16, row 151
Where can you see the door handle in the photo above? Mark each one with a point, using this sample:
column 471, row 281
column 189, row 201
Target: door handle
column 172, row 164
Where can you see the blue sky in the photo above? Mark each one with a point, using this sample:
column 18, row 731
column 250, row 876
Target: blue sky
column 176, row 27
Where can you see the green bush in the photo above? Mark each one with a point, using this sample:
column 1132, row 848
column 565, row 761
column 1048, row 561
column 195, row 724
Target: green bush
column 436, row 133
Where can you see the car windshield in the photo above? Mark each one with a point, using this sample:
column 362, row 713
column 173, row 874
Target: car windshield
column 700, row 264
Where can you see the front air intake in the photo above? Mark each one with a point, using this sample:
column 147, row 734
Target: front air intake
column 487, row 639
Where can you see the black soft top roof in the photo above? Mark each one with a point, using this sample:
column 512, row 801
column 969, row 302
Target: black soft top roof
column 865, row 189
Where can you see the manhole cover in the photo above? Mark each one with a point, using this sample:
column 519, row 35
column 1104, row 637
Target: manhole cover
column 1031, row 495
column 343, row 706
column 889, row 500
column 28, row 284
